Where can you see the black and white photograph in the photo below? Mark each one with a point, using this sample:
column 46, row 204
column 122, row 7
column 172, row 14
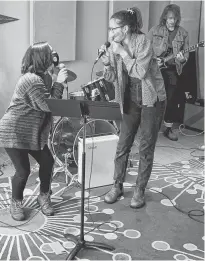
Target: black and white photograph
column 102, row 130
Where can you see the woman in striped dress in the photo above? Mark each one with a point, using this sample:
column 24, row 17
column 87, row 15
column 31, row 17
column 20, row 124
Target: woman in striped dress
column 25, row 126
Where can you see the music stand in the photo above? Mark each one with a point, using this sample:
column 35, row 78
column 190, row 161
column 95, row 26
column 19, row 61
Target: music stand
column 85, row 109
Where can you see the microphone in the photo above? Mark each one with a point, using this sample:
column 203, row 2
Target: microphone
column 71, row 76
column 61, row 66
column 107, row 44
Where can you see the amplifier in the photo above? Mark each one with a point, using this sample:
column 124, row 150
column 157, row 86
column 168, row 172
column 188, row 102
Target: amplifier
column 194, row 116
column 100, row 153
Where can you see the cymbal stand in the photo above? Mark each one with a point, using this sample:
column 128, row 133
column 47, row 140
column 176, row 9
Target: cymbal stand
column 64, row 166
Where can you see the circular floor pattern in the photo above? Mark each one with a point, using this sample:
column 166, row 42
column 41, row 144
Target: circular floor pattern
column 33, row 222
column 48, row 230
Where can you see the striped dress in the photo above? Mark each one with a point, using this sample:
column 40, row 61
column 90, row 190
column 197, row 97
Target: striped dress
column 27, row 121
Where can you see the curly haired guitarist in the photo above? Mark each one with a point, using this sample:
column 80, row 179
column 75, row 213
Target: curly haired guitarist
column 168, row 40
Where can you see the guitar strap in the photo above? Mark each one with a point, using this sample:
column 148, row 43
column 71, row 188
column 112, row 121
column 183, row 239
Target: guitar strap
column 171, row 37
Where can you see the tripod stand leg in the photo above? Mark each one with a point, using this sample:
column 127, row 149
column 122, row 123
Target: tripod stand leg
column 83, row 245
column 80, row 242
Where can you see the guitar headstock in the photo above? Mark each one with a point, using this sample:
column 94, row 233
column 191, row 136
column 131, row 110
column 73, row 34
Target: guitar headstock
column 201, row 44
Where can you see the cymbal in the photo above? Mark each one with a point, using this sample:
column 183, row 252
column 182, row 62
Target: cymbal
column 71, row 76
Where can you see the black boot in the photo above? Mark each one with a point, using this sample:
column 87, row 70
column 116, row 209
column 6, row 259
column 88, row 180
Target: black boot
column 16, row 210
column 115, row 193
column 138, row 199
column 44, row 200
column 168, row 133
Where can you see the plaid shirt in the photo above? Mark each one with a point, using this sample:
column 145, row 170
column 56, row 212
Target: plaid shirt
column 142, row 65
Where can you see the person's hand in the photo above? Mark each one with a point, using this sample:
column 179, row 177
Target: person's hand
column 105, row 58
column 180, row 57
column 62, row 76
column 159, row 62
column 188, row 95
column 118, row 48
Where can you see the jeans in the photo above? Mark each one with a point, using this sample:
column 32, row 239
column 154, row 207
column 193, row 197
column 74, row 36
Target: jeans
column 20, row 160
column 170, row 81
column 149, row 119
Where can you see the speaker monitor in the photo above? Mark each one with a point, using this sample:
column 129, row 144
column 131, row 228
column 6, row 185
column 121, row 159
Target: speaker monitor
column 194, row 117
column 99, row 162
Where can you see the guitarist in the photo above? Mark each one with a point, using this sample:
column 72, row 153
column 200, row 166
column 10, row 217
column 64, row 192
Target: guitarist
column 169, row 38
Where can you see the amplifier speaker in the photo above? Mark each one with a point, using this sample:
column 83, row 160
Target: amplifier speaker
column 194, row 116
column 100, row 154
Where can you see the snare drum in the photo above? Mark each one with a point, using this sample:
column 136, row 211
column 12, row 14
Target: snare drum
column 78, row 95
column 99, row 89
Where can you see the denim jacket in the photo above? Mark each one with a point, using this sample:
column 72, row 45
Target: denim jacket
column 142, row 66
column 159, row 38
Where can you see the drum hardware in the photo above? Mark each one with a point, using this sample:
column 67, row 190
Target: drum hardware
column 105, row 89
column 64, row 168
column 95, row 95
column 78, row 95
column 70, row 142
column 71, row 75
column 96, row 91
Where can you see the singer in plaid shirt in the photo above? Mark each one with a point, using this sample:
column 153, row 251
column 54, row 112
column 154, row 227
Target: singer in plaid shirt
column 131, row 65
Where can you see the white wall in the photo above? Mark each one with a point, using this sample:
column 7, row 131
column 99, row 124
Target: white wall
column 142, row 5
column 92, row 24
column 190, row 13
column 200, row 90
column 55, row 22
column 156, row 8
column 91, row 32
column 14, row 41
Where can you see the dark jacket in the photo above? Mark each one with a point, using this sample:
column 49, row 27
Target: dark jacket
column 159, row 38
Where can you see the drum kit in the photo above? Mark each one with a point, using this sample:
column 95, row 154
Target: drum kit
column 66, row 132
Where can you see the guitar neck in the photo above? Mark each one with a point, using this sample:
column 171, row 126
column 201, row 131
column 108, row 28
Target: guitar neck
column 166, row 59
column 190, row 48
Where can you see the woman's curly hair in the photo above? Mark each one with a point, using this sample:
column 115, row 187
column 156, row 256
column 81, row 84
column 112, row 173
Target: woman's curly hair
column 131, row 17
column 175, row 9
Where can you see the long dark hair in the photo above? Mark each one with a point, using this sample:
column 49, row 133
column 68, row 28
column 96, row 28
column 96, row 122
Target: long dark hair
column 37, row 59
column 131, row 17
column 175, row 9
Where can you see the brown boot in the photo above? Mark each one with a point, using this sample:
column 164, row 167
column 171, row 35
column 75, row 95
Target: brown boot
column 44, row 200
column 115, row 193
column 138, row 199
column 168, row 133
column 16, row 210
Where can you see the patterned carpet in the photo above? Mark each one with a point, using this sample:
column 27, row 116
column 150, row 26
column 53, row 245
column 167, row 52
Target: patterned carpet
column 156, row 232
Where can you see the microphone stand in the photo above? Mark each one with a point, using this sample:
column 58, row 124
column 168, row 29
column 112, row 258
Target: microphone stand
column 67, row 96
column 64, row 167
column 80, row 242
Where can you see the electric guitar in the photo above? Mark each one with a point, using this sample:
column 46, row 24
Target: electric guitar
column 163, row 60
